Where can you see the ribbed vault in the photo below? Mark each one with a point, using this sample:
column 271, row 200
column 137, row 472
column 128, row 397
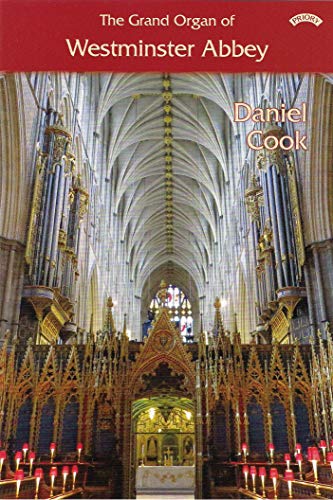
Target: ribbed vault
column 183, row 159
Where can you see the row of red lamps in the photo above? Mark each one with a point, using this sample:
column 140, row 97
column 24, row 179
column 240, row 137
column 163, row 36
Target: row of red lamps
column 313, row 457
column 298, row 448
column 262, row 473
column 38, row 474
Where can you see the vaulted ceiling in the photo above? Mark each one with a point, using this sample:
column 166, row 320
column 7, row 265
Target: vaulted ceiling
column 169, row 158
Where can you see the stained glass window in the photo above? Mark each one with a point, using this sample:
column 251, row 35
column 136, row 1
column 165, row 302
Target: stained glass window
column 180, row 311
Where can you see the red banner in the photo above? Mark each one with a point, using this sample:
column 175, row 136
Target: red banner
column 58, row 35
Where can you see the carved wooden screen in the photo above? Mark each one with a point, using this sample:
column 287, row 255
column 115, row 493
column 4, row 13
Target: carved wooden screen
column 46, row 427
column 23, row 424
column 279, row 426
column 302, row 423
column 94, row 431
column 256, row 428
column 70, row 427
column 220, row 431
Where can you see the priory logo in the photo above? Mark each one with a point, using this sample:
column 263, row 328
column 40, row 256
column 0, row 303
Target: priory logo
column 305, row 18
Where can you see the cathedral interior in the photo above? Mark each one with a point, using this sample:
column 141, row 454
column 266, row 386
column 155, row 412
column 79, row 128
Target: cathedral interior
column 166, row 291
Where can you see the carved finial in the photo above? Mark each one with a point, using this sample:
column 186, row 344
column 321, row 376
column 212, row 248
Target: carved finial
column 217, row 303
column 162, row 294
column 60, row 119
column 236, row 326
column 218, row 329
column 91, row 328
column 125, row 325
column 109, row 323
column 254, row 182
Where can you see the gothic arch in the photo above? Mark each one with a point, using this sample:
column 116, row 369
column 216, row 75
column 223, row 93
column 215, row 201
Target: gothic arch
column 164, row 345
column 318, row 175
column 175, row 274
column 15, row 182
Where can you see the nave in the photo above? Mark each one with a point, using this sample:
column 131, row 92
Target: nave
column 166, row 291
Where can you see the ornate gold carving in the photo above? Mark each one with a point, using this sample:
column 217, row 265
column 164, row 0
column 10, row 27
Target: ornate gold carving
column 84, row 202
column 52, row 309
column 36, row 205
column 275, row 156
column 164, row 344
column 162, row 294
column 83, row 197
column 266, row 239
column 59, row 129
column 252, row 194
column 62, row 138
column 166, row 82
column 167, row 108
column 59, row 148
column 266, row 157
column 110, row 327
column 289, row 297
column 280, row 325
column 262, row 161
column 62, row 239
column 167, row 96
column 71, row 196
column 106, row 383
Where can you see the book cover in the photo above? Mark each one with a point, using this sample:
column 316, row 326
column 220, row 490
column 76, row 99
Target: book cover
column 166, row 249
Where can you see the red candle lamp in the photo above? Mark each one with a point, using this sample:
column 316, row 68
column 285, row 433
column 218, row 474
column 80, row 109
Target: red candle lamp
column 245, row 451
column 323, row 446
column 298, row 448
column 31, row 458
column 18, row 458
column 253, row 472
column 331, row 444
column 25, row 449
column 271, row 449
column 287, row 459
column 314, row 458
column 329, row 458
column 3, row 456
column 262, row 475
column 53, row 475
column 18, row 476
column 38, row 476
column 53, row 447
column 65, row 472
column 75, row 471
column 79, row 448
column 274, row 475
column 289, row 476
column 246, row 471
column 299, row 460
